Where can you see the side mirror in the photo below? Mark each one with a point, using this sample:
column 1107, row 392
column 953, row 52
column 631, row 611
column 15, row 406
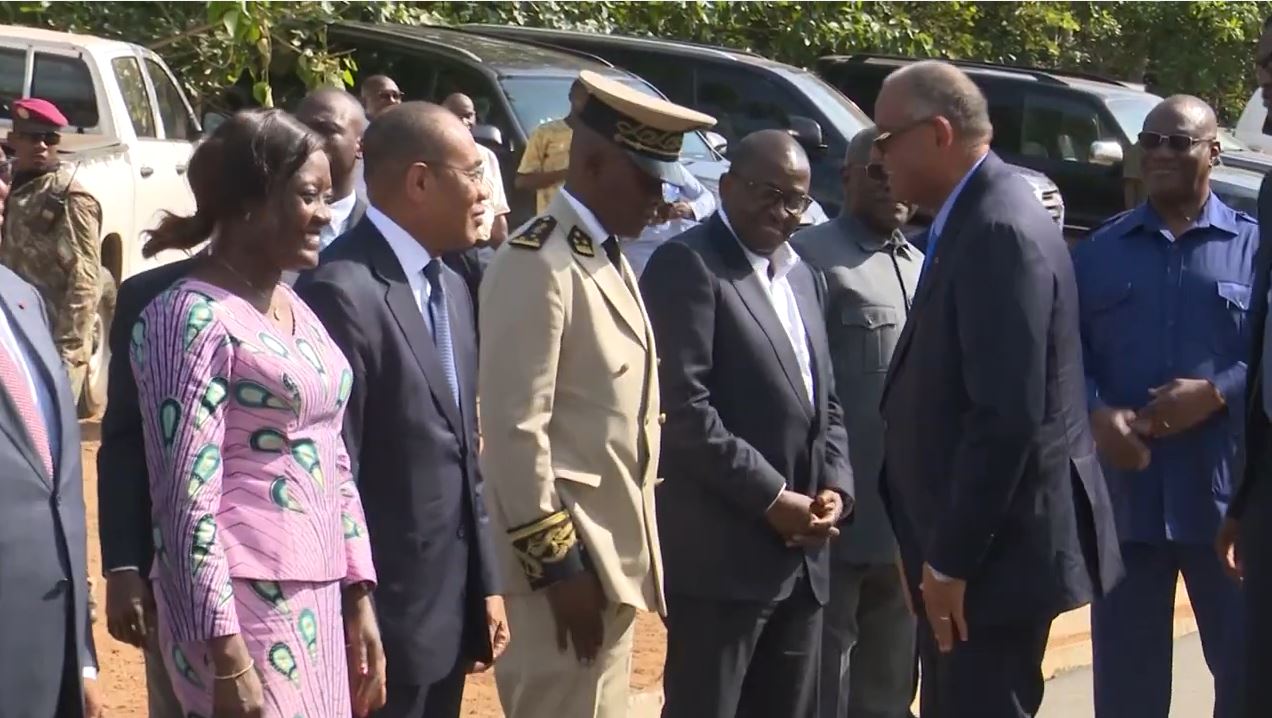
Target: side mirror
column 717, row 142
column 212, row 120
column 488, row 135
column 807, row 132
column 1105, row 154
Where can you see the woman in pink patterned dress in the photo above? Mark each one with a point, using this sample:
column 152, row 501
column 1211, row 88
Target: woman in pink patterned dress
column 263, row 567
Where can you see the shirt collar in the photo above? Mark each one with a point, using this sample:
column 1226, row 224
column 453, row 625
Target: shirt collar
column 410, row 253
column 1214, row 214
column 938, row 222
column 783, row 259
column 591, row 224
column 870, row 240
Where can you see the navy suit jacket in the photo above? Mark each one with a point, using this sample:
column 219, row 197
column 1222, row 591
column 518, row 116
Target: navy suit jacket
column 43, row 571
column 740, row 426
column 1258, row 427
column 414, row 455
column 990, row 471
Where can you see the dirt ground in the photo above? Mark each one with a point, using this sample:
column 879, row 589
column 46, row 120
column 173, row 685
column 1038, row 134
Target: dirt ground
column 123, row 677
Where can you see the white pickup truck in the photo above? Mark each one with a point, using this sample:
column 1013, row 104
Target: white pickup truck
column 131, row 135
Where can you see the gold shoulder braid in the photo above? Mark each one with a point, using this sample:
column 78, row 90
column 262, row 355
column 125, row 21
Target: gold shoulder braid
column 581, row 243
column 548, row 549
column 535, row 233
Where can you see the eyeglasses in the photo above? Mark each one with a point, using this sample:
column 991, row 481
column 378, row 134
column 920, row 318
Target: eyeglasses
column 51, row 139
column 791, row 203
column 473, row 174
column 886, row 137
column 876, row 172
column 1177, row 143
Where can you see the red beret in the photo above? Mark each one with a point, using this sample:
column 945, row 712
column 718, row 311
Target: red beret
column 34, row 114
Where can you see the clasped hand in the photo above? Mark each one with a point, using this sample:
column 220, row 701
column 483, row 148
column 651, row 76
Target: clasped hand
column 1176, row 407
column 806, row 522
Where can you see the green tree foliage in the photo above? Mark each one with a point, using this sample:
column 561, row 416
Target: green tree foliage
column 1201, row 48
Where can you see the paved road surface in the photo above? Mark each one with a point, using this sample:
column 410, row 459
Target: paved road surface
column 1069, row 694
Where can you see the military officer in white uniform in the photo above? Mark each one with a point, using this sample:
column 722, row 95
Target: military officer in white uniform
column 569, row 411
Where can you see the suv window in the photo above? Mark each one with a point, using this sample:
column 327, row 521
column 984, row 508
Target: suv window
column 67, row 83
column 662, row 72
column 177, row 123
column 1058, row 128
column 128, row 75
column 742, row 103
column 453, row 77
column 1005, row 115
column 12, row 75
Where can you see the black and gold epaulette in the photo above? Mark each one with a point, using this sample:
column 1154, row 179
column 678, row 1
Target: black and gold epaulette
column 548, row 549
column 535, row 233
column 581, row 243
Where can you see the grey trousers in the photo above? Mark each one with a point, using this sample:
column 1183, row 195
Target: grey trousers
column 867, row 665
column 162, row 702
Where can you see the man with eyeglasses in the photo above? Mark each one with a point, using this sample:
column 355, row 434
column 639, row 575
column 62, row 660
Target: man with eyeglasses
column 380, row 93
column 754, row 451
column 990, row 475
column 1164, row 293
column 867, row 666
column 52, row 233
column 1244, row 542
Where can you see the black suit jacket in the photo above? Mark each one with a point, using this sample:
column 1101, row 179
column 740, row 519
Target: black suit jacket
column 123, row 485
column 414, row 454
column 740, row 426
column 1258, row 429
column 990, row 469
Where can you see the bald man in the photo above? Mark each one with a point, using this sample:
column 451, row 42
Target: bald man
column 990, row 474
column 494, row 221
column 338, row 118
column 871, row 271
column 754, row 451
column 407, row 326
column 380, row 93
column 1164, row 290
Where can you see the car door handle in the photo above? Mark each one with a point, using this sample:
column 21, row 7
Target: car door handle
column 147, row 171
column 181, row 168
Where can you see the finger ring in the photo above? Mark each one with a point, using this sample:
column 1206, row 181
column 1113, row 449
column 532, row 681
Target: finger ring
column 1165, row 424
column 944, row 618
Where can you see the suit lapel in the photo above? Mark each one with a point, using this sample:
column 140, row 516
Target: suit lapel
column 749, row 287
column 411, row 321
column 26, row 322
column 938, row 268
column 812, row 317
column 590, row 256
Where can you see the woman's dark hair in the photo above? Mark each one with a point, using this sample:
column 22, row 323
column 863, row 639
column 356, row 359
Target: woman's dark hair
column 245, row 160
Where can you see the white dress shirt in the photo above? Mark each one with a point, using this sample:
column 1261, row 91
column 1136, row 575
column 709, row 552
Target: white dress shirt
column 782, row 296
column 340, row 211
column 410, row 254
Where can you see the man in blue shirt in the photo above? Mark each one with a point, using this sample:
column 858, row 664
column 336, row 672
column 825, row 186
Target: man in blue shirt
column 1163, row 292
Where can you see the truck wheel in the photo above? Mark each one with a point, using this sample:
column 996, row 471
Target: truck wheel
column 93, row 394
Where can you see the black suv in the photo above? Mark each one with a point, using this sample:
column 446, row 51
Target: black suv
column 515, row 87
column 1074, row 127
column 743, row 91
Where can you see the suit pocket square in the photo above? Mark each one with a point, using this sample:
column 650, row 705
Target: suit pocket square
column 578, row 477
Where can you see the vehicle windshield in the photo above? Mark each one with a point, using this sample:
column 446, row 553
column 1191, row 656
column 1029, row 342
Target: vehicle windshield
column 1131, row 111
column 842, row 112
column 536, row 100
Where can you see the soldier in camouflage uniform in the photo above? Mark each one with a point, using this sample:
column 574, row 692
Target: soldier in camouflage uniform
column 52, row 230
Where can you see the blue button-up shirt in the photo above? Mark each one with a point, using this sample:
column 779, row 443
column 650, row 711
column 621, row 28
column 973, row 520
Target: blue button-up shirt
column 938, row 222
column 1153, row 308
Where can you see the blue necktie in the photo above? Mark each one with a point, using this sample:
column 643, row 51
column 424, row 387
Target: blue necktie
column 439, row 321
column 929, row 251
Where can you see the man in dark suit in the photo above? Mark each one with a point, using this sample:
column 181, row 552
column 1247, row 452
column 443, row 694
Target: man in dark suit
column 405, row 322
column 1244, row 543
column 336, row 116
column 46, row 652
column 123, row 492
column 995, row 492
column 754, row 450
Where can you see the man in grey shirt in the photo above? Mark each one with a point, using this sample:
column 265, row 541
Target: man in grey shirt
column 871, row 271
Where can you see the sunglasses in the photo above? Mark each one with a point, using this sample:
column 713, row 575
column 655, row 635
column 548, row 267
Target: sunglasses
column 49, row 138
column 1177, row 143
column 790, row 202
column 886, row 137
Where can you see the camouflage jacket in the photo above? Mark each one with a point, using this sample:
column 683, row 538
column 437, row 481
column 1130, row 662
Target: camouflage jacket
column 52, row 239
